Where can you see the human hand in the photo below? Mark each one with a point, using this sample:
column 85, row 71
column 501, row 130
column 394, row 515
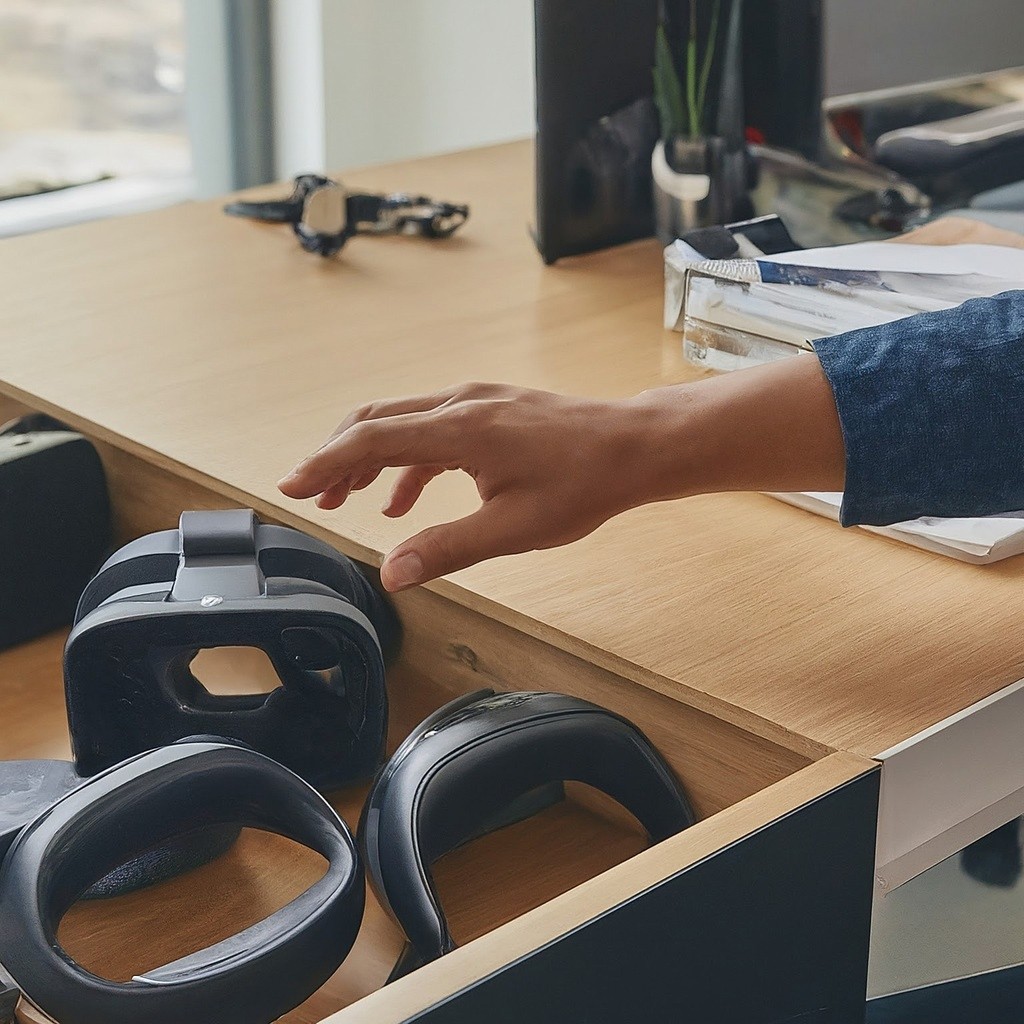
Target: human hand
column 552, row 468
column 549, row 468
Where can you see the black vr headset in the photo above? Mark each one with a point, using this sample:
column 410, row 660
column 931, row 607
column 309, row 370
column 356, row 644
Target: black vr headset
column 224, row 579
column 478, row 755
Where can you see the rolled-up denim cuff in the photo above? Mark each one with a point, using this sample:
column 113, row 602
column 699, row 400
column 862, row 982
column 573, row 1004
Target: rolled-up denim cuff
column 932, row 412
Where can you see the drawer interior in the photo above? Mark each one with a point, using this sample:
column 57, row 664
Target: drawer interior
column 448, row 649
column 483, row 884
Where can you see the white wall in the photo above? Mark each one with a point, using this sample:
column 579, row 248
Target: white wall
column 208, row 97
column 405, row 78
column 296, row 44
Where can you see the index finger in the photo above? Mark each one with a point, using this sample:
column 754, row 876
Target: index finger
column 411, row 439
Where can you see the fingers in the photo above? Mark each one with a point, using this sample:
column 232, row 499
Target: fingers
column 494, row 529
column 408, row 487
column 391, row 407
column 407, row 439
column 335, row 465
column 336, row 495
column 404, row 492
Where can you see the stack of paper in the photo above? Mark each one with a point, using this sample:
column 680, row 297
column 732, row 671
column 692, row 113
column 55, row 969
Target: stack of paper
column 742, row 312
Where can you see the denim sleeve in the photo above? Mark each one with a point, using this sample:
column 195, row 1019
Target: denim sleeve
column 932, row 412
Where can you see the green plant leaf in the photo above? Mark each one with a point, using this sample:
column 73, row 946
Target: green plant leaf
column 668, row 90
column 705, row 71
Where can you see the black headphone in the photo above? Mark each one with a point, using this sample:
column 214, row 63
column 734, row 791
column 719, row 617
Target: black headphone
column 225, row 579
column 324, row 216
column 473, row 757
column 254, row 976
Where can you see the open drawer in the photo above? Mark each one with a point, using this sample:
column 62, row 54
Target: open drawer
column 758, row 913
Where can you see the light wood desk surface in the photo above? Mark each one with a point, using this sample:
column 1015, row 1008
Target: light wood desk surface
column 218, row 349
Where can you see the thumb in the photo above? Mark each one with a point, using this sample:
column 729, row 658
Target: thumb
column 439, row 550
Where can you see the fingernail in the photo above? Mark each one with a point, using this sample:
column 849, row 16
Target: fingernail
column 405, row 570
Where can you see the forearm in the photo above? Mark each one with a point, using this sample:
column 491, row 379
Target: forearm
column 923, row 416
column 772, row 428
column 932, row 410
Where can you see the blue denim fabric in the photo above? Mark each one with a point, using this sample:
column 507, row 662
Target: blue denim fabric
column 932, row 412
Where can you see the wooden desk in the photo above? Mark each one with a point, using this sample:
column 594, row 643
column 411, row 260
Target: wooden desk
column 217, row 349
column 207, row 354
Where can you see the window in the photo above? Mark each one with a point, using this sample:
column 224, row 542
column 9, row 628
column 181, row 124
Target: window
column 94, row 96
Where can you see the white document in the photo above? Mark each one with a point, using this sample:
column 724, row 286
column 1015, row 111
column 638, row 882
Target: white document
column 998, row 261
column 795, row 314
column 980, row 540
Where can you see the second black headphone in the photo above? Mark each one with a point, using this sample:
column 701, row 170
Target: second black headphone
column 224, row 579
column 477, row 755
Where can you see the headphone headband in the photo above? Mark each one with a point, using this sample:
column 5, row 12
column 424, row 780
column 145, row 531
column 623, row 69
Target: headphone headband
column 155, row 797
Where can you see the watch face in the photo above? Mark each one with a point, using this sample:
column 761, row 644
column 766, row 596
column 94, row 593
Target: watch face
column 323, row 212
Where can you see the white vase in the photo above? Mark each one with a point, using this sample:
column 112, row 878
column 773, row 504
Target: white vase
column 698, row 183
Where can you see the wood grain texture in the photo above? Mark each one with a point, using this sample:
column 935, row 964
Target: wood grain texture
column 9, row 408
column 34, row 721
column 464, row 651
column 216, row 350
column 460, row 650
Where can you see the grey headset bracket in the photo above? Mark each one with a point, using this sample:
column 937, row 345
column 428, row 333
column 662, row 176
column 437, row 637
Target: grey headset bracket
column 218, row 557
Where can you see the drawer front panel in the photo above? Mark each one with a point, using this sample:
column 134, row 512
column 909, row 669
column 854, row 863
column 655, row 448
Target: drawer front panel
column 950, row 785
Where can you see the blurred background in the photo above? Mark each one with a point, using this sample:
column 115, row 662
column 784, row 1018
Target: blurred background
column 142, row 103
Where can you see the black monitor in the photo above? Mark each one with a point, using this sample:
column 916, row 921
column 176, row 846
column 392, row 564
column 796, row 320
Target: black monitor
column 595, row 120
